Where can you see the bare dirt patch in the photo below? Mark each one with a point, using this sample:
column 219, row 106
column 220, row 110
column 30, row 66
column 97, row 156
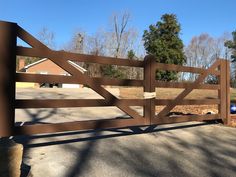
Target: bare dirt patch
column 169, row 93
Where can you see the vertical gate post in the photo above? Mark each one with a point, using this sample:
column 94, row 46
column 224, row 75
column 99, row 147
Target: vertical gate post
column 8, row 35
column 228, row 116
column 224, row 92
column 149, row 86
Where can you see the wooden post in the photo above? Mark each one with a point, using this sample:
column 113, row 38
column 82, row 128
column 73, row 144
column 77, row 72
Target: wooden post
column 149, row 86
column 10, row 158
column 224, row 92
column 228, row 116
column 8, row 35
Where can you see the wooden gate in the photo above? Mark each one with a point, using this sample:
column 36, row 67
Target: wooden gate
column 219, row 68
column 9, row 50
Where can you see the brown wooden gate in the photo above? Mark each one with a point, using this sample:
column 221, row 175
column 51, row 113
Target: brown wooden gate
column 219, row 68
column 9, row 50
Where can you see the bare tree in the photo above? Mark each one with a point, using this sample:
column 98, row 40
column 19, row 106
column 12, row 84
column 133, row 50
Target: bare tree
column 115, row 42
column 47, row 37
column 203, row 50
column 96, row 44
column 226, row 52
column 121, row 38
column 77, row 43
column 119, row 29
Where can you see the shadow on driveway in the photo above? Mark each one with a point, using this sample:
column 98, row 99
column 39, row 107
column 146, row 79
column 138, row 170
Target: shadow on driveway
column 192, row 149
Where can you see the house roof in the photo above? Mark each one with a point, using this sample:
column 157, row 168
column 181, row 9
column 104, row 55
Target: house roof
column 69, row 61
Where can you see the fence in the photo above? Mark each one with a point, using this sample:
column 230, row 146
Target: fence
column 9, row 50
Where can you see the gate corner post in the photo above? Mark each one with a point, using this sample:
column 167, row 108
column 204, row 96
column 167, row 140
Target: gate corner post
column 224, row 92
column 228, row 116
column 8, row 37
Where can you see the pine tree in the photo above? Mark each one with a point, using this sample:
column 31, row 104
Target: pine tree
column 131, row 54
column 111, row 71
column 162, row 40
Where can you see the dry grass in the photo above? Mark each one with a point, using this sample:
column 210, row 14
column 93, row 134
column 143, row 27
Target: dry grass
column 167, row 93
column 171, row 93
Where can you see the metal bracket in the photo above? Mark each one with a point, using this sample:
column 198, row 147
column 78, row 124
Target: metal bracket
column 148, row 95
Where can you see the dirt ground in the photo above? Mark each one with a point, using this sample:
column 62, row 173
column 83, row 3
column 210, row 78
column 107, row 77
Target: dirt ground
column 168, row 93
column 171, row 93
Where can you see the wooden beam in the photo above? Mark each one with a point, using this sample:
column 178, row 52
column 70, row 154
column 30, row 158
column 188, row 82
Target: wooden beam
column 77, row 125
column 149, row 86
column 42, row 78
column 64, row 103
column 63, row 55
column 163, row 84
column 188, row 102
column 187, row 118
column 180, row 68
column 8, row 36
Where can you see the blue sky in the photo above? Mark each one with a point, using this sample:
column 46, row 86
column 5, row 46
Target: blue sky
column 64, row 17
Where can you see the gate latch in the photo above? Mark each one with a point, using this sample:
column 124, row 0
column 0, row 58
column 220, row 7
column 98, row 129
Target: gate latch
column 148, row 95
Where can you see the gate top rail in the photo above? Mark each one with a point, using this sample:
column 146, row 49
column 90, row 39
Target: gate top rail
column 63, row 55
column 180, row 68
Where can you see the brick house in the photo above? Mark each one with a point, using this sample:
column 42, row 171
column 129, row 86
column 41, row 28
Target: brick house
column 46, row 66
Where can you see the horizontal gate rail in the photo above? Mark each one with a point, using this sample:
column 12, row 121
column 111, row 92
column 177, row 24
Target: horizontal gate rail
column 188, row 102
column 179, row 119
column 42, row 78
column 180, row 68
column 63, row 55
column 163, row 84
column 58, row 103
column 77, row 125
